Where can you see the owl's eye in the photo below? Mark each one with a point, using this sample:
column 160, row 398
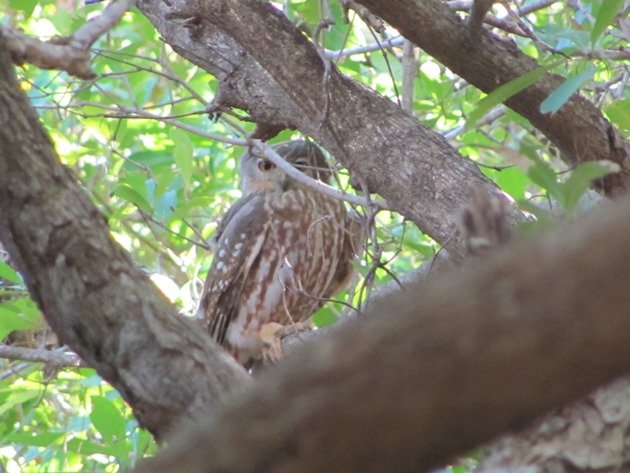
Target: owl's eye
column 265, row 165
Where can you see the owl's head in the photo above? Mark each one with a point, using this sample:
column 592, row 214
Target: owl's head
column 260, row 175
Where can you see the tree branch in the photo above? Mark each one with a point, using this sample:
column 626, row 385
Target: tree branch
column 427, row 180
column 478, row 11
column 578, row 129
column 53, row 357
column 70, row 54
column 87, row 287
column 460, row 359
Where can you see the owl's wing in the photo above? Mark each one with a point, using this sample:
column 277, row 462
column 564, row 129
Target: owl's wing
column 240, row 237
column 354, row 235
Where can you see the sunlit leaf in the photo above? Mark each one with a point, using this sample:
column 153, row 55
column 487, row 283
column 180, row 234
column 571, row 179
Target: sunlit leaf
column 514, row 181
column 25, row 6
column 581, row 177
column 41, row 439
column 606, row 14
column 133, row 197
column 165, row 206
column 6, row 272
column 183, row 153
column 542, row 174
column 86, row 447
column 506, row 91
column 107, row 419
column 324, row 318
column 619, row 113
column 562, row 94
column 18, row 314
column 19, row 397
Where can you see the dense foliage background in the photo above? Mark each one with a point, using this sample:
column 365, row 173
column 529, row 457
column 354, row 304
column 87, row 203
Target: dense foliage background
column 162, row 171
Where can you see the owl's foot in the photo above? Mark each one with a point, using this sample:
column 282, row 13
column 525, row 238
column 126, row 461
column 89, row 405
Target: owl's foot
column 294, row 328
column 272, row 350
column 272, row 335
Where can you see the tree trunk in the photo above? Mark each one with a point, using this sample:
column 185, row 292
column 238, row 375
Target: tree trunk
column 89, row 290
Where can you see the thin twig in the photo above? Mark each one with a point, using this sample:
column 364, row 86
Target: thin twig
column 396, row 41
column 267, row 152
column 489, row 118
column 410, row 70
column 59, row 357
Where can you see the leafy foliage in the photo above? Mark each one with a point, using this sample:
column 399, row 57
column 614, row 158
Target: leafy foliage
column 139, row 139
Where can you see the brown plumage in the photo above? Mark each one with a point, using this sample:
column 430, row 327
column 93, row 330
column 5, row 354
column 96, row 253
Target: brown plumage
column 281, row 249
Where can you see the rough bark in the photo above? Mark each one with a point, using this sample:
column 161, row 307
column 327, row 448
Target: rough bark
column 578, row 129
column 586, row 436
column 456, row 362
column 269, row 68
column 88, row 288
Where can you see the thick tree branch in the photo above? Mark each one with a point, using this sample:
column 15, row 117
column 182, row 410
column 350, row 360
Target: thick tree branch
column 238, row 41
column 458, row 360
column 578, row 129
column 70, row 54
column 90, row 292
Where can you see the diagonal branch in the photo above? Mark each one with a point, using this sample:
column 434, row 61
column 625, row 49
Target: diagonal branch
column 427, row 180
column 71, row 53
column 458, row 360
column 578, row 129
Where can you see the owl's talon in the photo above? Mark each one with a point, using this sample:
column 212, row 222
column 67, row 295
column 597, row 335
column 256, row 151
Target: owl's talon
column 294, row 328
column 268, row 334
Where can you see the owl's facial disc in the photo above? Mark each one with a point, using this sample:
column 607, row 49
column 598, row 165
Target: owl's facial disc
column 261, row 175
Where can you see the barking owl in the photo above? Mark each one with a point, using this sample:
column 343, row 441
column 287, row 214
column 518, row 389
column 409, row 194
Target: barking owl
column 282, row 250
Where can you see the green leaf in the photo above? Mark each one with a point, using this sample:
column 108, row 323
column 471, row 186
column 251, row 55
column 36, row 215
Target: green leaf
column 605, row 16
column 25, row 6
column 514, row 181
column 183, row 153
column 165, row 206
column 41, row 439
column 324, row 318
column 506, row 91
column 619, row 114
column 6, row 272
column 154, row 160
column 18, row 314
column 85, row 447
column 107, row 419
column 580, row 180
column 19, row 397
column 543, row 175
column 143, row 443
column 562, row 94
column 132, row 196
